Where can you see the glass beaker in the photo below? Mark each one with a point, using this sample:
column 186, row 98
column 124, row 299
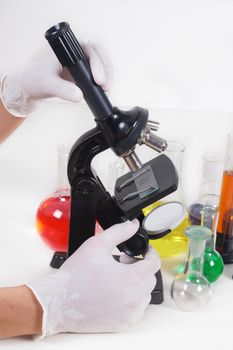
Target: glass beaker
column 191, row 290
column 225, row 223
column 53, row 214
column 176, row 241
column 116, row 169
column 210, row 187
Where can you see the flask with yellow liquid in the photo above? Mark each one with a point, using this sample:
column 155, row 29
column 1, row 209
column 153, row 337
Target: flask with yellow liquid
column 175, row 242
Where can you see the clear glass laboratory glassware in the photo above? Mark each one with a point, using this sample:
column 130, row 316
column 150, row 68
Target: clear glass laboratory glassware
column 52, row 217
column 225, row 223
column 205, row 211
column 191, row 291
column 116, row 169
column 175, row 242
column 53, row 213
column 210, row 187
column 213, row 263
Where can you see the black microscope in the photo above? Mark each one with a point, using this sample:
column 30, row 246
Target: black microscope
column 121, row 131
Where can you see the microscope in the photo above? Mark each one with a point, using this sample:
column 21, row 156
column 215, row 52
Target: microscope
column 121, row 131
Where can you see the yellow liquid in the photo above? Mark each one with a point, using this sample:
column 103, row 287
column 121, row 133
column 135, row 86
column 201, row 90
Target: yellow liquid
column 175, row 242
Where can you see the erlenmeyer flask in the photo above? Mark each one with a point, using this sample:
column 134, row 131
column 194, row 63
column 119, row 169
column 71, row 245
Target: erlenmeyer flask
column 176, row 241
column 53, row 214
column 225, row 223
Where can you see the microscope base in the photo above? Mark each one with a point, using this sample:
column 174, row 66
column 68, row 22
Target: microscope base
column 156, row 296
column 58, row 259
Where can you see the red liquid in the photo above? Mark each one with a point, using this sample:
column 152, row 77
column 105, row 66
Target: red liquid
column 52, row 222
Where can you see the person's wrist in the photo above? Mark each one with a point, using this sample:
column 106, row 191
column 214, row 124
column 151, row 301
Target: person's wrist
column 32, row 320
column 20, row 312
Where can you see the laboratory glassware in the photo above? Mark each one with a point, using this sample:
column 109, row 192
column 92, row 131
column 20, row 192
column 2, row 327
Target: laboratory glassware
column 225, row 223
column 176, row 241
column 210, row 187
column 191, row 290
column 116, row 169
column 53, row 213
column 213, row 263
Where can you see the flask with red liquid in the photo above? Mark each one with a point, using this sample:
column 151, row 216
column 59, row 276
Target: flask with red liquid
column 53, row 214
column 225, row 223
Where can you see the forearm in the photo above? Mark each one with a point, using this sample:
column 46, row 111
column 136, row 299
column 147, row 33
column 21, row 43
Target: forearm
column 8, row 123
column 20, row 312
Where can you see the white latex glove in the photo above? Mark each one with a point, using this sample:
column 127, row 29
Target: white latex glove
column 92, row 292
column 44, row 77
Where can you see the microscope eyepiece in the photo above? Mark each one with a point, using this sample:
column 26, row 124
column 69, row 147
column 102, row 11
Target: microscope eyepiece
column 70, row 54
column 64, row 44
column 57, row 30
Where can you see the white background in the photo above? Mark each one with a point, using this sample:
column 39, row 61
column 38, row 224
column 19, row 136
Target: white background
column 165, row 53
column 173, row 57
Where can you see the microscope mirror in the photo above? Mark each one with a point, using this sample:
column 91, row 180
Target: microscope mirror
column 163, row 219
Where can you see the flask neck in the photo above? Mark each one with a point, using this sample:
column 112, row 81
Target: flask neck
column 196, row 256
column 228, row 163
column 62, row 178
column 209, row 218
column 212, row 174
column 175, row 151
column 115, row 170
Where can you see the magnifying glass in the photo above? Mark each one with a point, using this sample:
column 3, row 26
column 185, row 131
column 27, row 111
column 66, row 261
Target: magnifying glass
column 157, row 224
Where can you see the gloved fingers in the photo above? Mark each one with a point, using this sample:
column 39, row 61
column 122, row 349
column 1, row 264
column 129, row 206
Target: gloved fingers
column 142, row 288
column 148, row 285
column 63, row 89
column 107, row 63
column 100, row 63
column 118, row 233
column 149, row 265
column 139, row 312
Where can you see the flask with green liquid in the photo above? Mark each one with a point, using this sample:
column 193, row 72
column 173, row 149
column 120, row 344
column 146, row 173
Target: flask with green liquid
column 205, row 211
column 213, row 262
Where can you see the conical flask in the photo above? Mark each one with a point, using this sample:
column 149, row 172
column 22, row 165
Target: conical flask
column 175, row 242
column 53, row 214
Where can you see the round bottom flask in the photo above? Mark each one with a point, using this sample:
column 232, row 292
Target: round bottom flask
column 213, row 263
column 53, row 213
column 191, row 291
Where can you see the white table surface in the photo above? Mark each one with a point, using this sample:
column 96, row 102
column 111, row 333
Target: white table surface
column 24, row 258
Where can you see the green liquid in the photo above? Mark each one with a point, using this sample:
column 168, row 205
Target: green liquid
column 213, row 265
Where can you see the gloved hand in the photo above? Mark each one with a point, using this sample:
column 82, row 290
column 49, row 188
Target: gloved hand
column 44, row 77
column 92, row 292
